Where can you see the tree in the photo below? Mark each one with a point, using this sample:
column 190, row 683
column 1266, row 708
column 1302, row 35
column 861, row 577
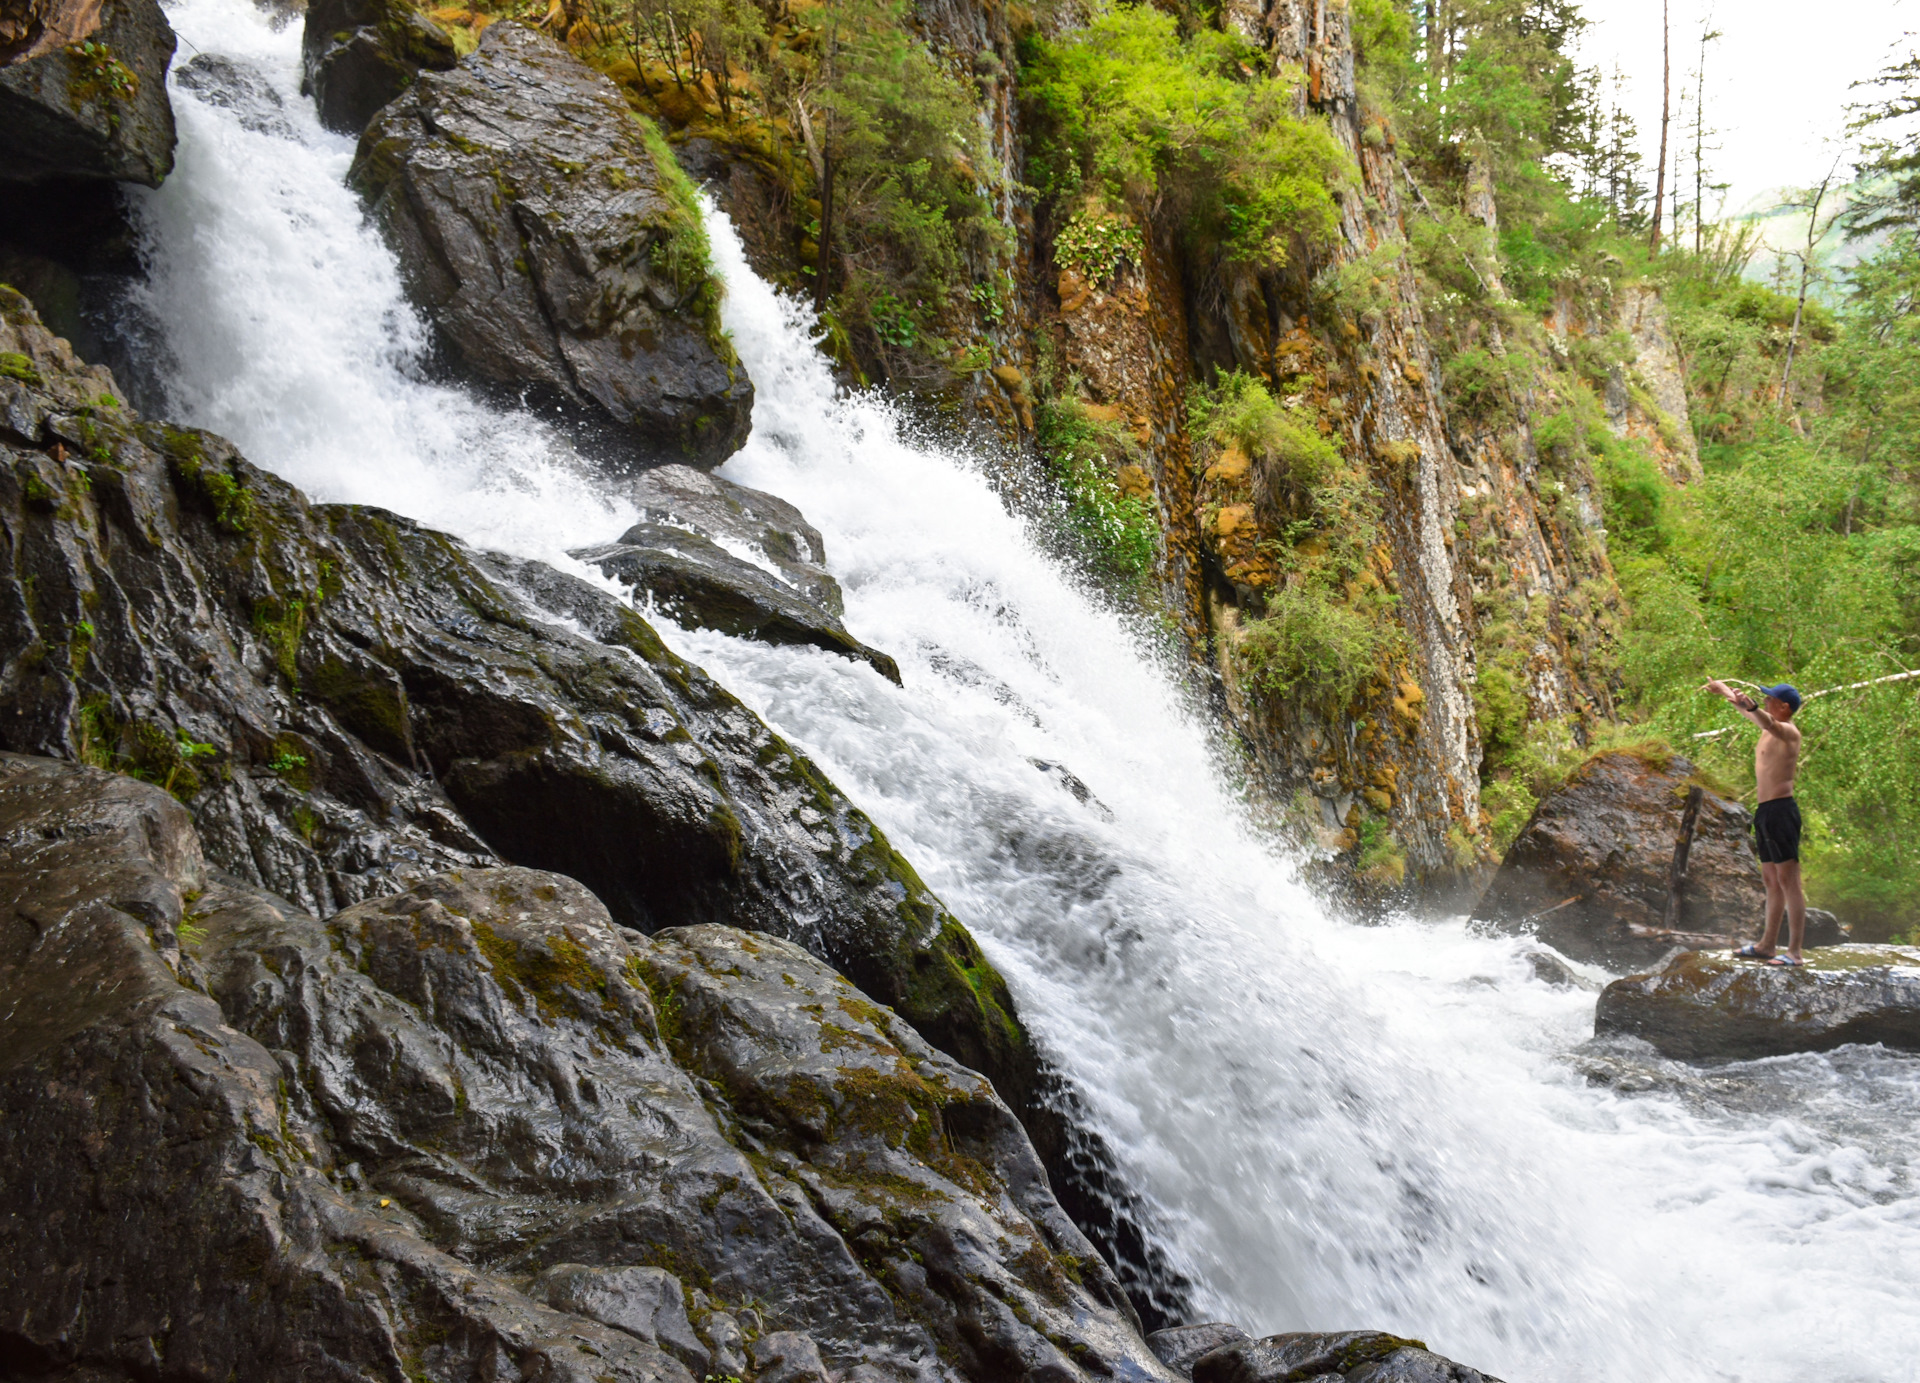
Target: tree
column 1666, row 110
column 1807, row 257
column 1890, row 165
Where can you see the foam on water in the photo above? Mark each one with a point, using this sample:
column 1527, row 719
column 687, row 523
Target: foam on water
column 1331, row 1125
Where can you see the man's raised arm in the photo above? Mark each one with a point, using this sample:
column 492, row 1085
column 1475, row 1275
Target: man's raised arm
column 1753, row 710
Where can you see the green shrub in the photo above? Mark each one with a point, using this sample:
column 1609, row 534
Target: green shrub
column 1083, row 453
column 1313, row 644
column 1129, row 108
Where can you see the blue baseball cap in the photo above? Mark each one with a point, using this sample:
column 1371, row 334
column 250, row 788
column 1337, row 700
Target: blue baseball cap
column 1785, row 693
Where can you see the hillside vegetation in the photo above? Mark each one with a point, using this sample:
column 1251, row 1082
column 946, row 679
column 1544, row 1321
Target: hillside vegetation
column 927, row 187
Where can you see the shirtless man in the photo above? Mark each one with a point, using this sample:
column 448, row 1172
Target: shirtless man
column 1776, row 824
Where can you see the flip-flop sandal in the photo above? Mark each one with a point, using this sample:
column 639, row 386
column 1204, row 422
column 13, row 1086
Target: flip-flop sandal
column 1785, row 962
column 1752, row 952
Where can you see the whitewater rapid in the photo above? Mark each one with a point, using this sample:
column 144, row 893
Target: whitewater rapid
column 1331, row 1125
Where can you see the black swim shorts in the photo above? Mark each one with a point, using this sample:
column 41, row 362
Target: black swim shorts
column 1776, row 830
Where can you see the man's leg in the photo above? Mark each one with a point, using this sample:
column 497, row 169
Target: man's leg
column 1776, row 907
column 1788, row 875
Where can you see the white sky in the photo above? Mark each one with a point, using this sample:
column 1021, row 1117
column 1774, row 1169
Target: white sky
column 1777, row 81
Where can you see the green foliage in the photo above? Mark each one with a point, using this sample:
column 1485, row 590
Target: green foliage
column 1131, row 109
column 1379, row 862
column 1098, row 245
column 1083, row 453
column 682, row 253
column 1361, row 288
column 14, row 365
column 1311, row 643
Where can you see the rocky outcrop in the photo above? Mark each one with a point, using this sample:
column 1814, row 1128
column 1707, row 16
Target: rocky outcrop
column 350, row 702
column 477, row 1127
column 1705, row 1004
column 29, row 28
column 358, row 55
column 1592, row 872
column 1220, row 1353
column 559, row 249
column 92, row 105
column 717, row 555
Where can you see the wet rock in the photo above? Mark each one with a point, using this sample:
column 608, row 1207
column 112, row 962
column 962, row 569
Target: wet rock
column 310, row 1144
column 647, row 1303
column 91, row 106
column 697, row 582
column 1589, row 875
column 913, row 1160
column 349, row 703
column 1299, row 1355
column 558, row 248
column 1549, row 969
column 358, row 55
column 29, row 28
column 159, row 1164
column 1073, row 787
column 1705, row 1004
column 1415, row 1365
column 786, row 1356
column 737, row 517
column 1179, row 1346
column 237, row 86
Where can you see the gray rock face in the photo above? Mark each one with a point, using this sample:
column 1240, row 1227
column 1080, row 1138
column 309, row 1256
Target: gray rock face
column 647, row 1303
column 1705, row 1004
column 339, row 1147
column 1180, row 1346
column 696, row 581
column 1358, row 1356
column 358, row 55
column 236, row 86
column 554, row 253
column 349, row 702
column 94, row 108
column 1589, row 874
column 685, row 558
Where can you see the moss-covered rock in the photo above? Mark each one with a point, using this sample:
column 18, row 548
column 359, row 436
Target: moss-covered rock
column 479, row 1125
column 1707, row 1004
column 358, row 55
column 93, row 107
column 559, row 248
column 350, row 702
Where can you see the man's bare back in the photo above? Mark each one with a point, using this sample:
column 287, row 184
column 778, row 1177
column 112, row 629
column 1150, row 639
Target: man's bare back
column 1776, row 822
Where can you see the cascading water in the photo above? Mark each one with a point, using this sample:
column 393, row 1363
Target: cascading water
column 1329, row 1125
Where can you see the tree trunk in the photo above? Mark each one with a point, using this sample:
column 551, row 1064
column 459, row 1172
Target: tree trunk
column 1666, row 110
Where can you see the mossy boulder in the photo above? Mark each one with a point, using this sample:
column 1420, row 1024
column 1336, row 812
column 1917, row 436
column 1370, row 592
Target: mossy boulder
column 1590, row 873
column 358, row 55
column 94, row 107
column 350, row 702
column 559, row 249
column 480, row 1126
column 1707, row 1004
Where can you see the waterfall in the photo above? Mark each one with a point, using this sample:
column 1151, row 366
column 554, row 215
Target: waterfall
column 1329, row 1125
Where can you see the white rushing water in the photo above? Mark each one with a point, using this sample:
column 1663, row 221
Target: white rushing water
column 1335, row 1126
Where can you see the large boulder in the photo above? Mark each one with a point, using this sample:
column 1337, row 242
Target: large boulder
column 718, row 555
column 350, row 702
column 478, row 1130
column 358, row 55
column 1590, row 874
column 559, row 248
column 86, row 96
column 1707, row 1004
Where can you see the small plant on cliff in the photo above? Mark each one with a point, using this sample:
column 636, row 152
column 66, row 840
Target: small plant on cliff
column 683, row 254
column 1083, row 453
column 1098, row 245
column 1312, row 643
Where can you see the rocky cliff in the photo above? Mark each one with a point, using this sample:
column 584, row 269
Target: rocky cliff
column 1486, row 543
